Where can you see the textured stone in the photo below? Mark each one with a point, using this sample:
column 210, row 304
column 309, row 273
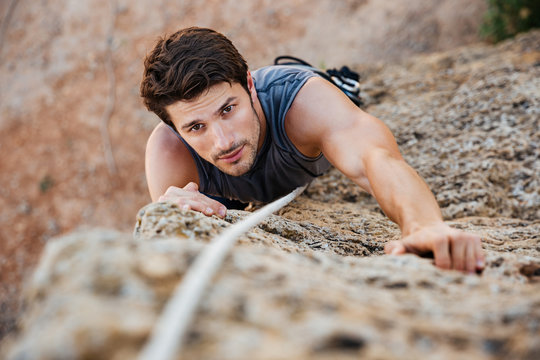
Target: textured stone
column 270, row 303
column 311, row 282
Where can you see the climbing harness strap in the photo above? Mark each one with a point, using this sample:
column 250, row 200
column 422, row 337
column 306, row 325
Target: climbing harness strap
column 345, row 79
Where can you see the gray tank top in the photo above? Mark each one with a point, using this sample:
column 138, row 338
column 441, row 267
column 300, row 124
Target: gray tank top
column 279, row 167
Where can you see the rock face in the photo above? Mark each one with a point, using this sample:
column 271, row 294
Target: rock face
column 311, row 282
column 73, row 150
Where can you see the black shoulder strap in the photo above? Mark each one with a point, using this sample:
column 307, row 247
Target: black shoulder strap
column 345, row 79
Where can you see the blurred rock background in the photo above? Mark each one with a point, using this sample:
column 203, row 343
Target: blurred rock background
column 73, row 128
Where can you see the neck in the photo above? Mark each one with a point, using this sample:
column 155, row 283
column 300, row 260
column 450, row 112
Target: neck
column 262, row 120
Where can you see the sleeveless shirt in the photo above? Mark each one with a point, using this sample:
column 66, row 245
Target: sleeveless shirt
column 279, row 167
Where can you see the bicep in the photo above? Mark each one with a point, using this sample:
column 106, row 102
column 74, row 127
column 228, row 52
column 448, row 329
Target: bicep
column 167, row 162
column 346, row 135
column 353, row 140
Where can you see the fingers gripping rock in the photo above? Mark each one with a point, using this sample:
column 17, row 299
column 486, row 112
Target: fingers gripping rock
column 158, row 220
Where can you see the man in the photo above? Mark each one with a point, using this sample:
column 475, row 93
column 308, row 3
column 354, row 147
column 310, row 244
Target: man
column 256, row 136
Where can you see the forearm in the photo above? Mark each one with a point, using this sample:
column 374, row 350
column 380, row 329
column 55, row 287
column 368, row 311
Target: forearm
column 364, row 150
column 400, row 191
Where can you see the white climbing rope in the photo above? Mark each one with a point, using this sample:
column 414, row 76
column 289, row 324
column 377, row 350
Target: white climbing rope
column 166, row 338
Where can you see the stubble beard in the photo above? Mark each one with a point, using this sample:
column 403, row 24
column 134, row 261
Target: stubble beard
column 242, row 166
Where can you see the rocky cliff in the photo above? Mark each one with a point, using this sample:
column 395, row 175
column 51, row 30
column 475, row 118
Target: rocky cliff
column 311, row 282
column 73, row 128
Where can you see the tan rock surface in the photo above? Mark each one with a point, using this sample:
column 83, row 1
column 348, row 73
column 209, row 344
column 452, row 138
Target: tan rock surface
column 56, row 79
column 311, row 282
column 98, row 293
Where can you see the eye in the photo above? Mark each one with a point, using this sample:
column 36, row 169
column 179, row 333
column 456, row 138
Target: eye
column 196, row 127
column 227, row 109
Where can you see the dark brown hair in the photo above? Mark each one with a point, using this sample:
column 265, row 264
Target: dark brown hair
column 185, row 64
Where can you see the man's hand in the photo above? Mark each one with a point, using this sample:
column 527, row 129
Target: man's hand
column 189, row 197
column 452, row 248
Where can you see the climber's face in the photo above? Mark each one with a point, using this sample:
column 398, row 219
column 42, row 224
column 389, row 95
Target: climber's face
column 222, row 126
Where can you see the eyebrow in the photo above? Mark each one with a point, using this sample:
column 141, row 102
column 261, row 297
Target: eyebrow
column 225, row 104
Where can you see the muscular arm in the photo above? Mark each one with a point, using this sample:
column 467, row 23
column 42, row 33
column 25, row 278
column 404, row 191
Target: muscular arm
column 363, row 149
column 172, row 175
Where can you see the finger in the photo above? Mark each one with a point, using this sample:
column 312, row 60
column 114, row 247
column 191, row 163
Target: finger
column 458, row 253
column 470, row 253
column 442, row 254
column 196, row 201
column 192, row 204
column 206, row 206
column 191, row 186
column 214, row 207
column 167, row 197
column 199, row 203
column 395, row 248
column 172, row 190
column 211, row 206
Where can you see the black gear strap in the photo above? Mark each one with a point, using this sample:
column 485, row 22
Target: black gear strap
column 345, row 79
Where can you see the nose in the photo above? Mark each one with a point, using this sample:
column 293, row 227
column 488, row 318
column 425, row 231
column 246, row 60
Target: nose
column 223, row 137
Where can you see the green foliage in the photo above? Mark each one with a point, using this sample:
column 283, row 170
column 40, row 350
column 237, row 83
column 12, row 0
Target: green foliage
column 505, row 18
column 46, row 183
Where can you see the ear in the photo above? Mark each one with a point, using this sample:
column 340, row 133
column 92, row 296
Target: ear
column 251, row 86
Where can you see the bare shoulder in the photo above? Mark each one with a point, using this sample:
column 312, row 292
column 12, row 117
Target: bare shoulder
column 318, row 108
column 168, row 162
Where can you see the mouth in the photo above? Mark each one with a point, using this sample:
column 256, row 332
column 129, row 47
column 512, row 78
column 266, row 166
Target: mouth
column 233, row 156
